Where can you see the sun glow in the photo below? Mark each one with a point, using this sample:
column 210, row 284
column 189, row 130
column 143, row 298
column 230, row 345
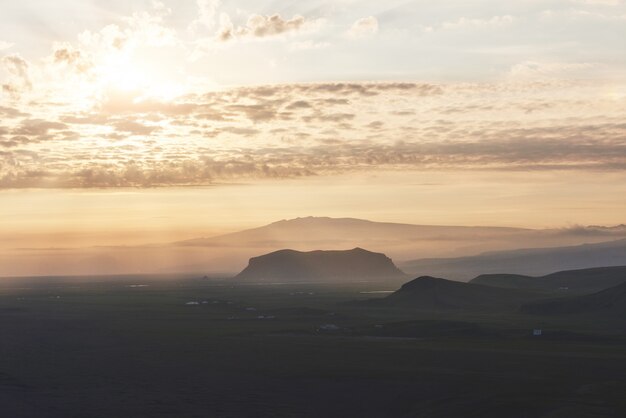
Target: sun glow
column 124, row 73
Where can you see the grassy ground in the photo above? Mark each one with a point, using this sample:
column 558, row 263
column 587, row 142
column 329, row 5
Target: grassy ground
column 74, row 349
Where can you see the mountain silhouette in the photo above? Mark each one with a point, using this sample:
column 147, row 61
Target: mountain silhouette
column 431, row 293
column 296, row 266
column 584, row 280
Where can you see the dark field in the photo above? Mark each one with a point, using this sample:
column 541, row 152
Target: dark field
column 79, row 349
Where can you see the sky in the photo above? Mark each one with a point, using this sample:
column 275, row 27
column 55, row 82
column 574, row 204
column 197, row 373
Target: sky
column 125, row 122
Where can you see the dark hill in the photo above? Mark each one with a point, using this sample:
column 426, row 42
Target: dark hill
column 583, row 281
column 430, row 293
column 611, row 301
column 351, row 265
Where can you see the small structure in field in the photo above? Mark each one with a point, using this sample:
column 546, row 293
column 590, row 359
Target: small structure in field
column 537, row 332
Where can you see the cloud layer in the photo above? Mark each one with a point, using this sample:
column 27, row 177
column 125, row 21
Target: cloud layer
column 135, row 103
column 285, row 131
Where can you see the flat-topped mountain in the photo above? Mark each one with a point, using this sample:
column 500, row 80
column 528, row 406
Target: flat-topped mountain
column 584, row 280
column 431, row 293
column 611, row 301
column 296, row 266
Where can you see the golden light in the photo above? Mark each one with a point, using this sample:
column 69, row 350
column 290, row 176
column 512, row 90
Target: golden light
column 124, row 72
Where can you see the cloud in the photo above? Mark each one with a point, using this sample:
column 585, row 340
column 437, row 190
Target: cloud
column 9, row 112
column 300, row 104
column 207, row 10
column 263, row 26
column 14, row 141
column 66, row 54
column 38, row 127
column 134, row 128
column 316, row 129
column 256, row 112
column 19, row 69
column 363, row 27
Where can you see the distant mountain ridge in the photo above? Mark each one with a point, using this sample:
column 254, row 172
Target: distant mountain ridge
column 318, row 228
column 529, row 261
column 325, row 228
column 583, row 280
column 296, row 266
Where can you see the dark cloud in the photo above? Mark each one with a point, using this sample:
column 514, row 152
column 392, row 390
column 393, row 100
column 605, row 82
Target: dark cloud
column 377, row 124
column 300, row 104
column 14, row 141
column 9, row 112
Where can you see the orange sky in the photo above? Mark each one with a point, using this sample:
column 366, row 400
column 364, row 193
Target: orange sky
column 61, row 218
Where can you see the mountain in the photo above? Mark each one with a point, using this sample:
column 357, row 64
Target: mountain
column 611, row 301
column 584, row 280
column 295, row 266
column 340, row 229
column 430, row 293
column 400, row 241
column 533, row 261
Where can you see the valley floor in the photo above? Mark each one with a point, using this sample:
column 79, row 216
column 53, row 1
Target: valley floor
column 147, row 347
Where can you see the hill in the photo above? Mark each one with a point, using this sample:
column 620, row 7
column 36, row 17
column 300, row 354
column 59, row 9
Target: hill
column 430, row 293
column 532, row 261
column 296, row 266
column 584, row 280
column 611, row 301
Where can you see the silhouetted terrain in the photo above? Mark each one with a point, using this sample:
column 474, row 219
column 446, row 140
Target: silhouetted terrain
column 430, row 293
column 158, row 347
column 611, row 301
column 584, row 280
column 293, row 266
column 533, row 261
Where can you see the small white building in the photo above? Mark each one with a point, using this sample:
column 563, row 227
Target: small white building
column 537, row 332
